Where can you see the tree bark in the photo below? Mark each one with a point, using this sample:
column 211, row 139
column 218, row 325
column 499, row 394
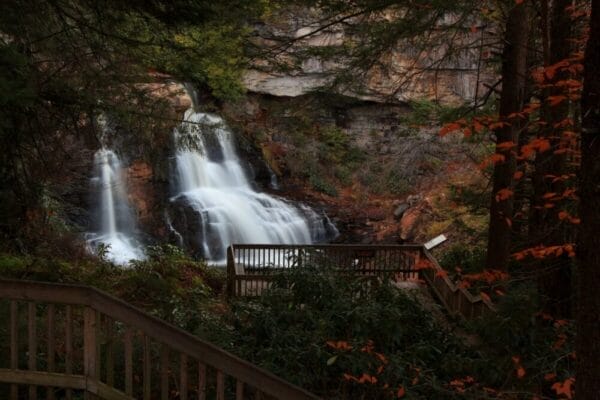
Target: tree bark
column 512, row 98
column 587, row 342
column 554, row 274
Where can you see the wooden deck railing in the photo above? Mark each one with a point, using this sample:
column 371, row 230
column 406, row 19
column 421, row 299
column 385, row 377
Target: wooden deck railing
column 76, row 340
column 251, row 268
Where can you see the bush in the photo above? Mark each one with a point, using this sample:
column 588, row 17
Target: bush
column 327, row 333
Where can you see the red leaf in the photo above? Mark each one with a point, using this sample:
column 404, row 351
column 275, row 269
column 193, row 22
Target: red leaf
column 451, row 127
column 564, row 388
column 401, row 392
column 518, row 175
column 503, row 194
column 556, row 100
column 550, row 376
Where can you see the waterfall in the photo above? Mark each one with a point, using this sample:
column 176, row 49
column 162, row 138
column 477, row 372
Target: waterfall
column 115, row 224
column 211, row 180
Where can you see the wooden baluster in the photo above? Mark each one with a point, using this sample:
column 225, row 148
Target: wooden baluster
column 51, row 349
column 89, row 346
column 201, row 381
column 32, row 346
column 110, row 352
column 98, row 327
column 146, row 368
column 14, row 353
column 220, row 385
column 69, row 346
column 183, row 376
column 259, row 395
column 128, row 344
column 164, row 372
column 239, row 390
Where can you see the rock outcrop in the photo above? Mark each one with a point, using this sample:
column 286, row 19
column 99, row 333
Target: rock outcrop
column 449, row 73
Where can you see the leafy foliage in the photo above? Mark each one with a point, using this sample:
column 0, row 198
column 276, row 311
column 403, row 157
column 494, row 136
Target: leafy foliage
column 325, row 332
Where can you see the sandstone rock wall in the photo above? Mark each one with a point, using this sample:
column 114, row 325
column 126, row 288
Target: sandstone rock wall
column 448, row 72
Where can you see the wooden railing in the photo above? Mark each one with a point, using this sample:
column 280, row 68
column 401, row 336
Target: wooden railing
column 251, row 268
column 76, row 340
column 457, row 300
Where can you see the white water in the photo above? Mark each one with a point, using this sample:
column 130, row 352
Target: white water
column 115, row 223
column 211, row 179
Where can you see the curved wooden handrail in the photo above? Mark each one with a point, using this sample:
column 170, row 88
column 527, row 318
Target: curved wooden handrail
column 154, row 328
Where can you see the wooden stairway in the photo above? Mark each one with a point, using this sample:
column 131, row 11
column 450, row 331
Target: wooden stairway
column 76, row 341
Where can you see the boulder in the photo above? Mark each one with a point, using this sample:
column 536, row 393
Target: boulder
column 412, row 220
column 400, row 209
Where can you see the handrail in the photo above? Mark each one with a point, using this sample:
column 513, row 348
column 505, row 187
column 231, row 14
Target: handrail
column 152, row 327
column 406, row 260
column 451, row 295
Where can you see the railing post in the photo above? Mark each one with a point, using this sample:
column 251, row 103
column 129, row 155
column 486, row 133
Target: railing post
column 230, row 272
column 51, row 349
column 32, row 345
column 89, row 348
column 14, row 347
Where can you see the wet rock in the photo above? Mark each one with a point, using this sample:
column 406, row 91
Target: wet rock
column 400, row 209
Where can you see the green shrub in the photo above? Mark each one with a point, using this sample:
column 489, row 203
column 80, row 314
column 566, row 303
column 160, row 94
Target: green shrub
column 320, row 184
column 296, row 328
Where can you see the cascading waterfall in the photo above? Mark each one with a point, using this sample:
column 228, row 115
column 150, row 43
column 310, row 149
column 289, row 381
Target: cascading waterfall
column 114, row 220
column 210, row 178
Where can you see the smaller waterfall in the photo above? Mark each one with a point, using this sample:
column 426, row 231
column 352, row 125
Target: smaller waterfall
column 114, row 221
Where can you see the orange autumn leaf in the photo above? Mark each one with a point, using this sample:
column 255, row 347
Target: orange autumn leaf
column 551, row 70
column 556, row 100
column 485, row 296
column 538, row 75
column 401, row 392
column 531, row 107
column 520, row 372
column 518, row 175
column 550, row 376
column 339, row 345
column 505, row 146
column 565, row 388
column 498, row 125
column 441, row 273
column 451, row 127
column 504, row 194
column 563, row 215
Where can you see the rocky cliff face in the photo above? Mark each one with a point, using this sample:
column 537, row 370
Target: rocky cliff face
column 448, row 72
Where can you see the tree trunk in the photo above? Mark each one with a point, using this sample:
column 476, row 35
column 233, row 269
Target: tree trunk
column 588, row 250
column 554, row 274
column 514, row 77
